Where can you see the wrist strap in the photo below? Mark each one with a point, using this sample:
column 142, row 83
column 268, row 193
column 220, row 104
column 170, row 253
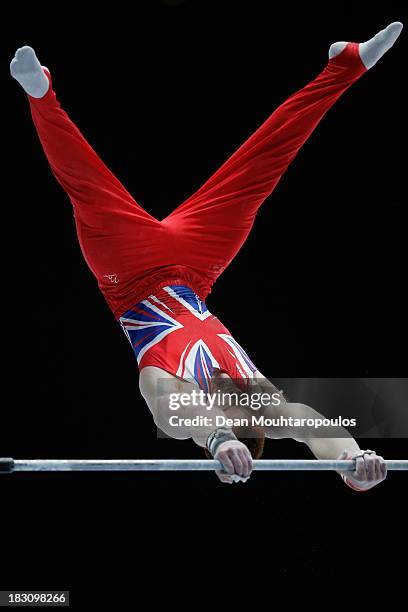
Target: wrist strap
column 217, row 437
column 362, row 453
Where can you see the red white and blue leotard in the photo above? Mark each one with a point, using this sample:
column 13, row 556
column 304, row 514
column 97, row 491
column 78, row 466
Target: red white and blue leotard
column 162, row 266
column 173, row 329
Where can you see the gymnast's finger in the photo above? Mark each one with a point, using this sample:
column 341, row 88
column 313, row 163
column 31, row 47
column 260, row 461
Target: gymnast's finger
column 360, row 471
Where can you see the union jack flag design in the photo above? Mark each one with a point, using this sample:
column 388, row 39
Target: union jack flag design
column 174, row 330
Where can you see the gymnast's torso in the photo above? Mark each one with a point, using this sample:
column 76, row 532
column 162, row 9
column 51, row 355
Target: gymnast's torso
column 173, row 329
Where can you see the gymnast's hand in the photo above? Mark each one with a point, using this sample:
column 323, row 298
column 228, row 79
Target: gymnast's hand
column 236, row 461
column 371, row 469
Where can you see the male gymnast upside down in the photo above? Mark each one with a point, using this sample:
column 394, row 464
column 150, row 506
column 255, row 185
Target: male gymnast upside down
column 155, row 275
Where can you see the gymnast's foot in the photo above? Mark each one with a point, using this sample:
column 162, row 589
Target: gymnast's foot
column 27, row 70
column 372, row 50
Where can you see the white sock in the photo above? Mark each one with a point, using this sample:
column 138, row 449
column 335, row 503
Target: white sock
column 27, row 70
column 372, row 50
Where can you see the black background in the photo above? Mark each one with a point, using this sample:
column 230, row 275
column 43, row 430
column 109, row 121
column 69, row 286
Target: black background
column 165, row 91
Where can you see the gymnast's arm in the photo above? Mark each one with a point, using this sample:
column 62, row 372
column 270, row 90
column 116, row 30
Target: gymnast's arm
column 371, row 469
column 162, row 393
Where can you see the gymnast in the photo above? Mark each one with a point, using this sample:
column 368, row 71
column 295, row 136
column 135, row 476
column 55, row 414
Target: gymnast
column 156, row 274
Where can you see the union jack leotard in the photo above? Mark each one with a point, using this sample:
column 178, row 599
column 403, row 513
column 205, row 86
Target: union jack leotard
column 172, row 329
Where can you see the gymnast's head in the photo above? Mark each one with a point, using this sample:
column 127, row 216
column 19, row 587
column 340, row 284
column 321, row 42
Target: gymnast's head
column 253, row 439
column 250, row 438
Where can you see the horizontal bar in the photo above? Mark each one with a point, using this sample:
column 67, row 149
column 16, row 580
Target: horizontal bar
column 175, row 465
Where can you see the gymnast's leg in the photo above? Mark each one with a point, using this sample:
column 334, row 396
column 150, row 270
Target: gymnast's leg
column 119, row 240
column 214, row 222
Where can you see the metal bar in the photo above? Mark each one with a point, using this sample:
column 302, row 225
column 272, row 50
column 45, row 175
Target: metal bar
column 175, row 465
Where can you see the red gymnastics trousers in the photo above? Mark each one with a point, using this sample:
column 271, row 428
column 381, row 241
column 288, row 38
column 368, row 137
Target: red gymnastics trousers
column 130, row 252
